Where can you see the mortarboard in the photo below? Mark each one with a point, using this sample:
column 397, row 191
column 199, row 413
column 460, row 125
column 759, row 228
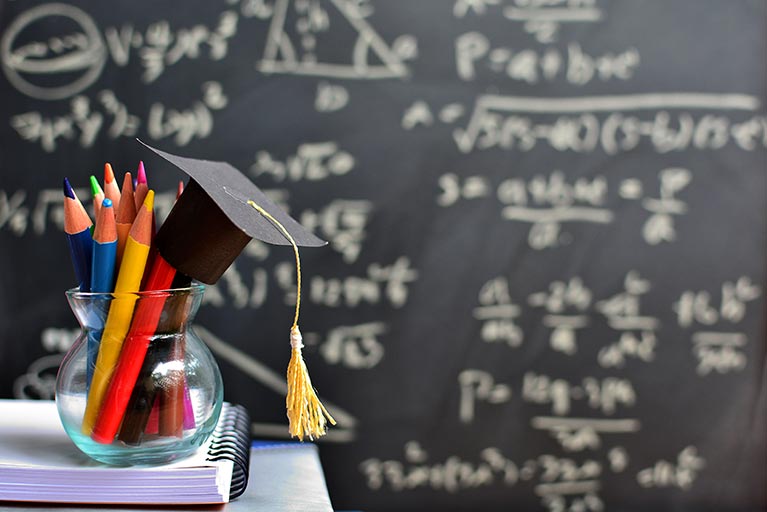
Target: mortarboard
column 212, row 222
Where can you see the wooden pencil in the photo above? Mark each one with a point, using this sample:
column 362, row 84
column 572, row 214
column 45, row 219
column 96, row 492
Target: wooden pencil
column 125, row 216
column 104, row 250
column 77, row 226
column 111, row 189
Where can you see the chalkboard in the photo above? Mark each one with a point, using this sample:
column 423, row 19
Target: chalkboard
column 544, row 285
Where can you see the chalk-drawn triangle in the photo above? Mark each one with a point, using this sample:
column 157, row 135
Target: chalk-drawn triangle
column 343, row 432
column 369, row 57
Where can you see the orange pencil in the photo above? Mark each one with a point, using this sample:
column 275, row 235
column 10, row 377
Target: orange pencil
column 125, row 216
column 111, row 189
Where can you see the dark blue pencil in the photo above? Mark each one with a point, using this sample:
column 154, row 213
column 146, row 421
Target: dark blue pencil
column 77, row 226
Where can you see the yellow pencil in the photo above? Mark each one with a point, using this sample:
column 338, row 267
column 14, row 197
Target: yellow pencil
column 121, row 309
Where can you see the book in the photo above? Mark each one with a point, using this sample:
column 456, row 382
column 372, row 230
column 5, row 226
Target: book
column 39, row 463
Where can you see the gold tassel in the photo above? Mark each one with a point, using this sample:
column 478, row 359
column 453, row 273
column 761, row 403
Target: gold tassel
column 306, row 414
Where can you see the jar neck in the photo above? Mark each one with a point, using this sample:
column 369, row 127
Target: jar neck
column 172, row 310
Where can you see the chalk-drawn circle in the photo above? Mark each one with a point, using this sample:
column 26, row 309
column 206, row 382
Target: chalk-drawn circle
column 87, row 61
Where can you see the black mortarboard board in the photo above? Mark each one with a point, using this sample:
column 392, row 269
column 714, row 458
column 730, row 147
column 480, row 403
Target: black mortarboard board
column 212, row 222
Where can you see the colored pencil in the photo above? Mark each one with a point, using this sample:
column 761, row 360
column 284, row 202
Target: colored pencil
column 141, row 186
column 102, row 272
column 104, row 250
column 98, row 196
column 77, row 226
column 120, row 311
column 125, row 216
column 133, row 352
column 111, row 189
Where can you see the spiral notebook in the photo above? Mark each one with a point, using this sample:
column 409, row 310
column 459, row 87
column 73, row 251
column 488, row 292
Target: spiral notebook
column 39, row 463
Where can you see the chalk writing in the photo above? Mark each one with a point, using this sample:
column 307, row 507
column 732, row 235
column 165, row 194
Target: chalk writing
column 498, row 122
column 452, row 475
column 463, row 7
column 330, row 97
column 13, row 215
column 313, row 161
column 578, row 434
column 681, row 474
column 543, row 18
column 39, row 381
column 575, row 67
column 382, row 284
column 717, row 350
column 604, row 395
column 497, row 313
column 161, row 46
column 660, row 226
column 622, row 314
column 341, row 222
column 548, row 201
column 479, row 386
column 74, row 57
column 294, row 50
column 86, row 120
column 540, row 18
column 357, row 346
column 560, row 297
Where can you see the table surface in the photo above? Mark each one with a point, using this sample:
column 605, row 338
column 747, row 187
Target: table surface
column 284, row 477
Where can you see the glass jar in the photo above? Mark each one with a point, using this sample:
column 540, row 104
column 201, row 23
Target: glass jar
column 138, row 386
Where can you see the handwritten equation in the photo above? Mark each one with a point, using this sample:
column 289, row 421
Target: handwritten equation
column 547, row 202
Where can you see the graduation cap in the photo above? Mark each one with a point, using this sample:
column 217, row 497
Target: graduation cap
column 212, row 222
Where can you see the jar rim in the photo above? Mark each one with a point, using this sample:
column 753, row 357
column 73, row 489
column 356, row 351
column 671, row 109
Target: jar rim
column 195, row 288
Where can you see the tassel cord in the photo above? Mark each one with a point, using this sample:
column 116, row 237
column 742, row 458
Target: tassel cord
column 306, row 414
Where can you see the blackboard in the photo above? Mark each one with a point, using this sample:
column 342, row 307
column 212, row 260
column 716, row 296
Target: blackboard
column 544, row 288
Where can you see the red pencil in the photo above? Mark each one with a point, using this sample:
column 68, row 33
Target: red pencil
column 145, row 320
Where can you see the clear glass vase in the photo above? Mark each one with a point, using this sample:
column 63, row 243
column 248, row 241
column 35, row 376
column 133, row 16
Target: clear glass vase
column 138, row 386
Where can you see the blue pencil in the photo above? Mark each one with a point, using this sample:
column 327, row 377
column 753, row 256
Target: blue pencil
column 102, row 274
column 104, row 250
column 77, row 226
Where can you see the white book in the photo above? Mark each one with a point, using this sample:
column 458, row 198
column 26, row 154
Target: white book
column 39, row 463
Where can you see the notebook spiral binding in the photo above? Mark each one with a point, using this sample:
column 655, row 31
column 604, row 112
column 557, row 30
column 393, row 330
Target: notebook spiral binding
column 231, row 441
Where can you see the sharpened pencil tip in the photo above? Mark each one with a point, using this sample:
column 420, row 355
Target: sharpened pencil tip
column 149, row 200
column 95, row 187
column 68, row 190
column 106, row 203
column 109, row 174
column 141, row 178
